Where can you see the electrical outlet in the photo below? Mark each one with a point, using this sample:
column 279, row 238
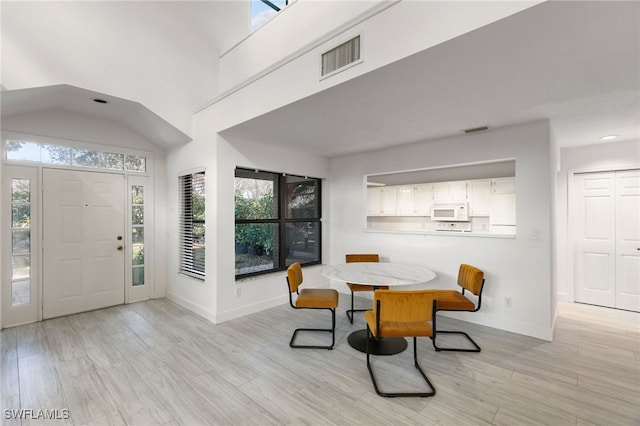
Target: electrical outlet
column 238, row 292
column 507, row 302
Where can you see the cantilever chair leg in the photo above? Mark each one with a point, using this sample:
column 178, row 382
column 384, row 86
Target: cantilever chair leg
column 332, row 330
column 438, row 349
column 352, row 310
column 416, row 364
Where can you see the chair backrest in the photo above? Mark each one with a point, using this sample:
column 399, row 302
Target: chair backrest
column 349, row 258
column 471, row 278
column 410, row 306
column 294, row 277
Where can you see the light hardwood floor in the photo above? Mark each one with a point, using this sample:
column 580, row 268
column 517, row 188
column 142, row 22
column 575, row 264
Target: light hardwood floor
column 156, row 363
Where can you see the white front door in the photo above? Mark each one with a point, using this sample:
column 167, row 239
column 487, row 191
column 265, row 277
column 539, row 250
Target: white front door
column 83, row 241
column 628, row 240
column 595, row 239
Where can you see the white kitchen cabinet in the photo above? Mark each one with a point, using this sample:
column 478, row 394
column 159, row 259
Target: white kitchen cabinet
column 374, row 201
column 422, row 196
column 405, row 203
column 389, row 200
column 504, row 186
column 478, row 192
column 450, row 191
column 502, row 202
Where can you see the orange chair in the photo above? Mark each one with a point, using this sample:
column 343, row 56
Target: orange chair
column 470, row 279
column 402, row 314
column 311, row 298
column 360, row 287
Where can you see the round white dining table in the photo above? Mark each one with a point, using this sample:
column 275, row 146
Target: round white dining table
column 378, row 274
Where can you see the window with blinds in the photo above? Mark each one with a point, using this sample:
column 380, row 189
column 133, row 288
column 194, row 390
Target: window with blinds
column 192, row 224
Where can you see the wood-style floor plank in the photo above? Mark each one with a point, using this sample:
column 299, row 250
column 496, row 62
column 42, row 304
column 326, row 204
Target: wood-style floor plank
column 156, row 363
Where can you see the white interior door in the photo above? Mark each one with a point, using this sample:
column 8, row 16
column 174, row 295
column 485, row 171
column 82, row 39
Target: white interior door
column 83, row 241
column 594, row 256
column 628, row 240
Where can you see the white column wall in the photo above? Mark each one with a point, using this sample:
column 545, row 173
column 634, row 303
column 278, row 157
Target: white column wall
column 518, row 268
column 216, row 297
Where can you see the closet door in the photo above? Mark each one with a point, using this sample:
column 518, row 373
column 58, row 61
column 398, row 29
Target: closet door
column 595, row 224
column 607, row 239
column 628, row 240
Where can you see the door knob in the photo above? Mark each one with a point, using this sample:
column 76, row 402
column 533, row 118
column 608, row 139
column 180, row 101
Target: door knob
column 119, row 237
column 120, row 248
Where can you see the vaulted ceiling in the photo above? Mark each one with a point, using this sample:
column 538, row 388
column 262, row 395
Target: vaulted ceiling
column 162, row 54
column 574, row 63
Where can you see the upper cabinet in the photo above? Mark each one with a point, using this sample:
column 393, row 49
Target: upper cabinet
column 502, row 210
column 382, row 201
column 405, row 196
column 450, row 191
column 479, row 192
column 422, row 197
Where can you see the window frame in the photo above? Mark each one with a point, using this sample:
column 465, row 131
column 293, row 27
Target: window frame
column 281, row 220
column 186, row 258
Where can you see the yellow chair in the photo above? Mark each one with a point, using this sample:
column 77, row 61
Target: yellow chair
column 360, row 287
column 402, row 314
column 311, row 298
column 470, row 279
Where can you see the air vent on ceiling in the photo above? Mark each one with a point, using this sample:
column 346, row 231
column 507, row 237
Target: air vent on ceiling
column 341, row 56
column 477, row 129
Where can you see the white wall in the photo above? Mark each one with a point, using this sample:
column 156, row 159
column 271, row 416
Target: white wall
column 600, row 157
column 519, row 268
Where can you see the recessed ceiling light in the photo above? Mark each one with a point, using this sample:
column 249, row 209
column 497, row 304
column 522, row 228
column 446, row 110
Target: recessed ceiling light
column 608, row 137
column 100, row 101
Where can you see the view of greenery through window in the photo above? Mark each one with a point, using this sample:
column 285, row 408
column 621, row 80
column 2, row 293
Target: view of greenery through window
column 68, row 156
column 137, row 234
column 20, row 241
column 277, row 221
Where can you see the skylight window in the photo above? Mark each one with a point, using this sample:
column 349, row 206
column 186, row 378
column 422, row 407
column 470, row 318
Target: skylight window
column 263, row 10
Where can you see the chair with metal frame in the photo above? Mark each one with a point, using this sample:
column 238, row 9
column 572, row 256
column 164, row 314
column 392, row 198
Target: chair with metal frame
column 349, row 258
column 402, row 314
column 311, row 298
column 470, row 279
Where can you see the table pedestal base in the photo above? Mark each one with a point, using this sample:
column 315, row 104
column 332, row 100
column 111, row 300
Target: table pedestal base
column 386, row 346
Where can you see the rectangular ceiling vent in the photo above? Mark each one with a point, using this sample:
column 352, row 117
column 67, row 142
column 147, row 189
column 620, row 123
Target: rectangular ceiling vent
column 334, row 60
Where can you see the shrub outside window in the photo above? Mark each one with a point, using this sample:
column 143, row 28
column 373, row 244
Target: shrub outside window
column 278, row 221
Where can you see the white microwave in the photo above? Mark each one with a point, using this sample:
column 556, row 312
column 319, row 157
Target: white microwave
column 450, row 212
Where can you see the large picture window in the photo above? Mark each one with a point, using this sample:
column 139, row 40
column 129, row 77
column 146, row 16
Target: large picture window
column 192, row 224
column 278, row 221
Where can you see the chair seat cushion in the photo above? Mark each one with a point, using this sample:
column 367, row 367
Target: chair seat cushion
column 398, row 329
column 453, row 300
column 362, row 287
column 317, row 298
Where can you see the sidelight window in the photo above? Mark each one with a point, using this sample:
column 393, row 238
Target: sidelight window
column 20, row 241
column 137, row 234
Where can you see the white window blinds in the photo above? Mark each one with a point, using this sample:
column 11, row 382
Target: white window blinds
column 192, row 224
